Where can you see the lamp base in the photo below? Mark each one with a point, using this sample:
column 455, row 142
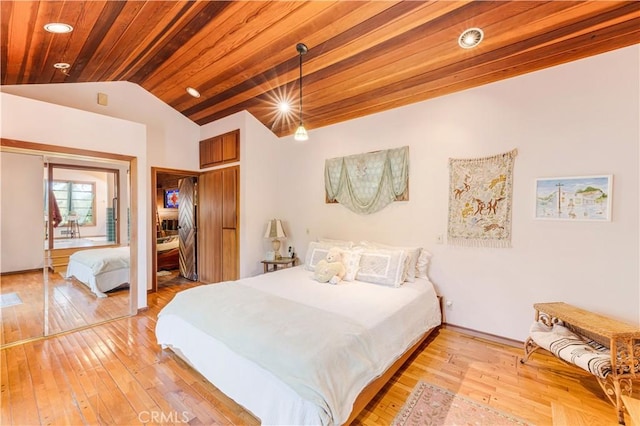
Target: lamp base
column 275, row 243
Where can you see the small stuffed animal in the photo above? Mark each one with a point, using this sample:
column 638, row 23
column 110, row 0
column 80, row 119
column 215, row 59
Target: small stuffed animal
column 331, row 269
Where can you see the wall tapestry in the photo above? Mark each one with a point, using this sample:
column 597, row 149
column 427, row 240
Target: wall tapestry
column 366, row 183
column 480, row 201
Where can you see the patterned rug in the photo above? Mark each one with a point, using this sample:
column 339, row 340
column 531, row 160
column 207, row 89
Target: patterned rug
column 430, row 405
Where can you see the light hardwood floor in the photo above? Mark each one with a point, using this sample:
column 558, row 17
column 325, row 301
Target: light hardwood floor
column 115, row 373
column 70, row 305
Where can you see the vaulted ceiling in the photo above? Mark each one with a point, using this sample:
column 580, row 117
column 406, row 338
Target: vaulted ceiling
column 364, row 56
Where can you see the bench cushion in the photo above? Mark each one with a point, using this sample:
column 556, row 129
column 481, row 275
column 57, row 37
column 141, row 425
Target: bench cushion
column 566, row 345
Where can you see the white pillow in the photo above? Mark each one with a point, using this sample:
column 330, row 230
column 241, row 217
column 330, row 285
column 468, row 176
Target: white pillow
column 412, row 254
column 381, row 266
column 315, row 253
column 423, row 264
column 337, row 243
column 351, row 261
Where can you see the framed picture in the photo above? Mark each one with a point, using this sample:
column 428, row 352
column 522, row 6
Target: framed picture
column 171, row 198
column 579, row 198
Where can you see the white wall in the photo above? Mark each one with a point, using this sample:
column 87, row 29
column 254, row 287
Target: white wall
column 580, row 118
column 259, row 164
column 22, row 229
column 170, row 135
column 67, row 127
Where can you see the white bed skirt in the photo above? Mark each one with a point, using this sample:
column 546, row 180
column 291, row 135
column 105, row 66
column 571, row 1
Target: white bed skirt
column 100, row 283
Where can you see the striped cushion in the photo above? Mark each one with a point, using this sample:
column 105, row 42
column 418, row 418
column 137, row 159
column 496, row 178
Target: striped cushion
column 566, row 345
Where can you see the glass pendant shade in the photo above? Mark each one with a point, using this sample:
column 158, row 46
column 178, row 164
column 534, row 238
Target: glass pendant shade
column 301, row 133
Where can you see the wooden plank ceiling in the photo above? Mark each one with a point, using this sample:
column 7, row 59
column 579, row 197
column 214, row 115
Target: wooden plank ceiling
column 364, row 57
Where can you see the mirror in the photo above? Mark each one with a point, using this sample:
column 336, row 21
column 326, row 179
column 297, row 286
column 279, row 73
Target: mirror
column 66, row 206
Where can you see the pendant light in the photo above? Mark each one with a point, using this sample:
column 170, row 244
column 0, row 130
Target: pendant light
column 301, row 132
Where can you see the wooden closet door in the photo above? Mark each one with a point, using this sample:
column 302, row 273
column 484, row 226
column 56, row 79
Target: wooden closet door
column 230, row 224
column 218, row 230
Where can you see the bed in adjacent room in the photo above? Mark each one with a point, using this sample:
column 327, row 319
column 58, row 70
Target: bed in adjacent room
column 292, row 350
column 101, row 269
column 168, row 253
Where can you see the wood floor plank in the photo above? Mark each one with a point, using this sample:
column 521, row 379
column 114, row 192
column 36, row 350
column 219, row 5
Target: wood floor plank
column 78, row 397
column 115, row 373
column 5, row 401
column 24, row 409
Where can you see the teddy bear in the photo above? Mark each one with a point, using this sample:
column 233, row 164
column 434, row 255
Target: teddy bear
column 330, row 269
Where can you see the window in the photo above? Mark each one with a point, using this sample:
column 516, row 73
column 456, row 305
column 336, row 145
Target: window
column 76, row 198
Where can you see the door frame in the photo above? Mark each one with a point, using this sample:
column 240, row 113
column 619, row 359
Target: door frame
column 154, row 240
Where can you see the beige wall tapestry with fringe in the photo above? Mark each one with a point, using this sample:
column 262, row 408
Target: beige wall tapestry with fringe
column 480, row 195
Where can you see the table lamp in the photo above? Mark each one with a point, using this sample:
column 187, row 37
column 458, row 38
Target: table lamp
column 275, row 231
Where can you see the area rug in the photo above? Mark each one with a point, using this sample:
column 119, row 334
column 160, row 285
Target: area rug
column 9, row 299
column 430, row 405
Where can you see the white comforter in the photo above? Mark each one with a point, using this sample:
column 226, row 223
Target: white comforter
column 167, row 243
column 103, row 260
column 100, row 269
column 391, row 318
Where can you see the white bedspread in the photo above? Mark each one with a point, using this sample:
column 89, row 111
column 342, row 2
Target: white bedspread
column 103, row 260
column 394, row 318
column 167, row 243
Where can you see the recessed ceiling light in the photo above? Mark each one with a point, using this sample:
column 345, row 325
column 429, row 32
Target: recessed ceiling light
column 58, row 28
column 193, row 92
column 62, row 65
column 470, row 38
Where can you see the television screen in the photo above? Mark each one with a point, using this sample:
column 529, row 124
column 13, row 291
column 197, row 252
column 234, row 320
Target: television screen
column 171, row 199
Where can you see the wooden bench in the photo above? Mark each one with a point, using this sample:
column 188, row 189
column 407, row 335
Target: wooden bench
column 620, row 340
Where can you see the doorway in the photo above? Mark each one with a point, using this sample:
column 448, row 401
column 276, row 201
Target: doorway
column 175, row 216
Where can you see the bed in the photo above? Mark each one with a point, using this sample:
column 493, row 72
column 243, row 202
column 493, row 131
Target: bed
column 168, row 253
column 292, row 350
column 101, row 269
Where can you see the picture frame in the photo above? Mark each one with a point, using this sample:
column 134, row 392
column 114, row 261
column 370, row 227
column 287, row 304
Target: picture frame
column 574, row 198
column 171, row 198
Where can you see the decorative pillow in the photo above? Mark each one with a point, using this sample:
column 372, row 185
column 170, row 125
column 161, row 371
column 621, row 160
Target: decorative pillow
column 351, row 261
column 381, row 266
column 316, row 251
column 336, row 243
column 423, row 264
column 412, row 254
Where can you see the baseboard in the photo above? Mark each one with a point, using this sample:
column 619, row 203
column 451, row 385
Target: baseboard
column 2, row 274
column 486, row 336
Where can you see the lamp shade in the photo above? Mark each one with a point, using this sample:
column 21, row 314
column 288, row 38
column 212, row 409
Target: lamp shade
column 301, row 134
column 274, row 229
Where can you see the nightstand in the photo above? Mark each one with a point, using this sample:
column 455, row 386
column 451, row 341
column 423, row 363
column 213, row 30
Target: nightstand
column 285, row 262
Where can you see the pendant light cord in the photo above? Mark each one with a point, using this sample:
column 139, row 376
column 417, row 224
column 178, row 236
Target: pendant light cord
column 300, row 87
